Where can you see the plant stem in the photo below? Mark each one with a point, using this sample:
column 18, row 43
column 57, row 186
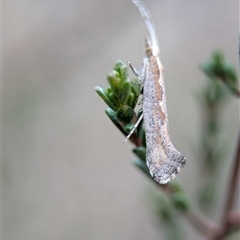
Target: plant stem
column 231, row 193
column 231, row 219
column 203, row 224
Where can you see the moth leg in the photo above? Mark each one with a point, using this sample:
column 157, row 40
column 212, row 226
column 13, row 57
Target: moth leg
column 141, row 101
column 134, row 70
column 135, row 126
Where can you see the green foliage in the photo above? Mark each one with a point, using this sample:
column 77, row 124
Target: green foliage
column 167, row 217
column 179, row 198
column 218, row 68
column 143, row 167
column 140, row 152
column 122, row 96
column 212, row 149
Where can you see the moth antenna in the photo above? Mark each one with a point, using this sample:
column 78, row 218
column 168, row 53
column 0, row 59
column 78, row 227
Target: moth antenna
column 135, row 72
column 150, row 25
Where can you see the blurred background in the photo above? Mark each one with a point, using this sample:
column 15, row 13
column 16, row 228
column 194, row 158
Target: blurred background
column 66, row 173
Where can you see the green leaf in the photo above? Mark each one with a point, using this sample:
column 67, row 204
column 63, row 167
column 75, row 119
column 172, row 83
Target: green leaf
column 165, row 210
column 109, row 90
column 103, row 94
column 124, row 91
column 121, row 68
column 140, row 152
column 218, row 68
column 143, row 167
column 128, row 127
column 114, row 82
column 112, row 115
column 131, row 100
column 125, row 114
column 180, row 201
column 114, row 101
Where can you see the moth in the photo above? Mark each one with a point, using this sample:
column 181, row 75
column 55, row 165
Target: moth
column 162, row 158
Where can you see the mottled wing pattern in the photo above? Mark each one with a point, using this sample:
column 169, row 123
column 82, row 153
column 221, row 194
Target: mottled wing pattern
column 163, row 160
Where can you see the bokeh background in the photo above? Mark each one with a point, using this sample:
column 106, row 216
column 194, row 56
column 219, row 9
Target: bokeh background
column 66, row 173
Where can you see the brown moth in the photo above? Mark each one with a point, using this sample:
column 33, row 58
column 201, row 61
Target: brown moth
column 162, row 158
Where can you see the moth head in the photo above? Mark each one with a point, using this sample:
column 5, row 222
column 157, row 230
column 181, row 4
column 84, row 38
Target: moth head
column 148, row 47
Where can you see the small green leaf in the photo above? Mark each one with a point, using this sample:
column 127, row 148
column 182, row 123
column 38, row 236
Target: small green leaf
column 207, row 69
column 230, row 73
column 143, row 167
column 218, row 68
column 175, row 186
column 109, row 90
column 140, row 152
column 124, row 91
column 121, row 68
column 180, row 201
column 165, row 210
column 112, row 115
column 130, row 100
column 103, row 94
column 112, row 97
column 114, row 82
column 128, row 127
column 125, row 114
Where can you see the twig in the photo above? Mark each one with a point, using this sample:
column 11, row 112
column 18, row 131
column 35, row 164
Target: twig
column 234, row 218
column 232, row 187
column 135, row 140
column 202, row 224
column 235, row 91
